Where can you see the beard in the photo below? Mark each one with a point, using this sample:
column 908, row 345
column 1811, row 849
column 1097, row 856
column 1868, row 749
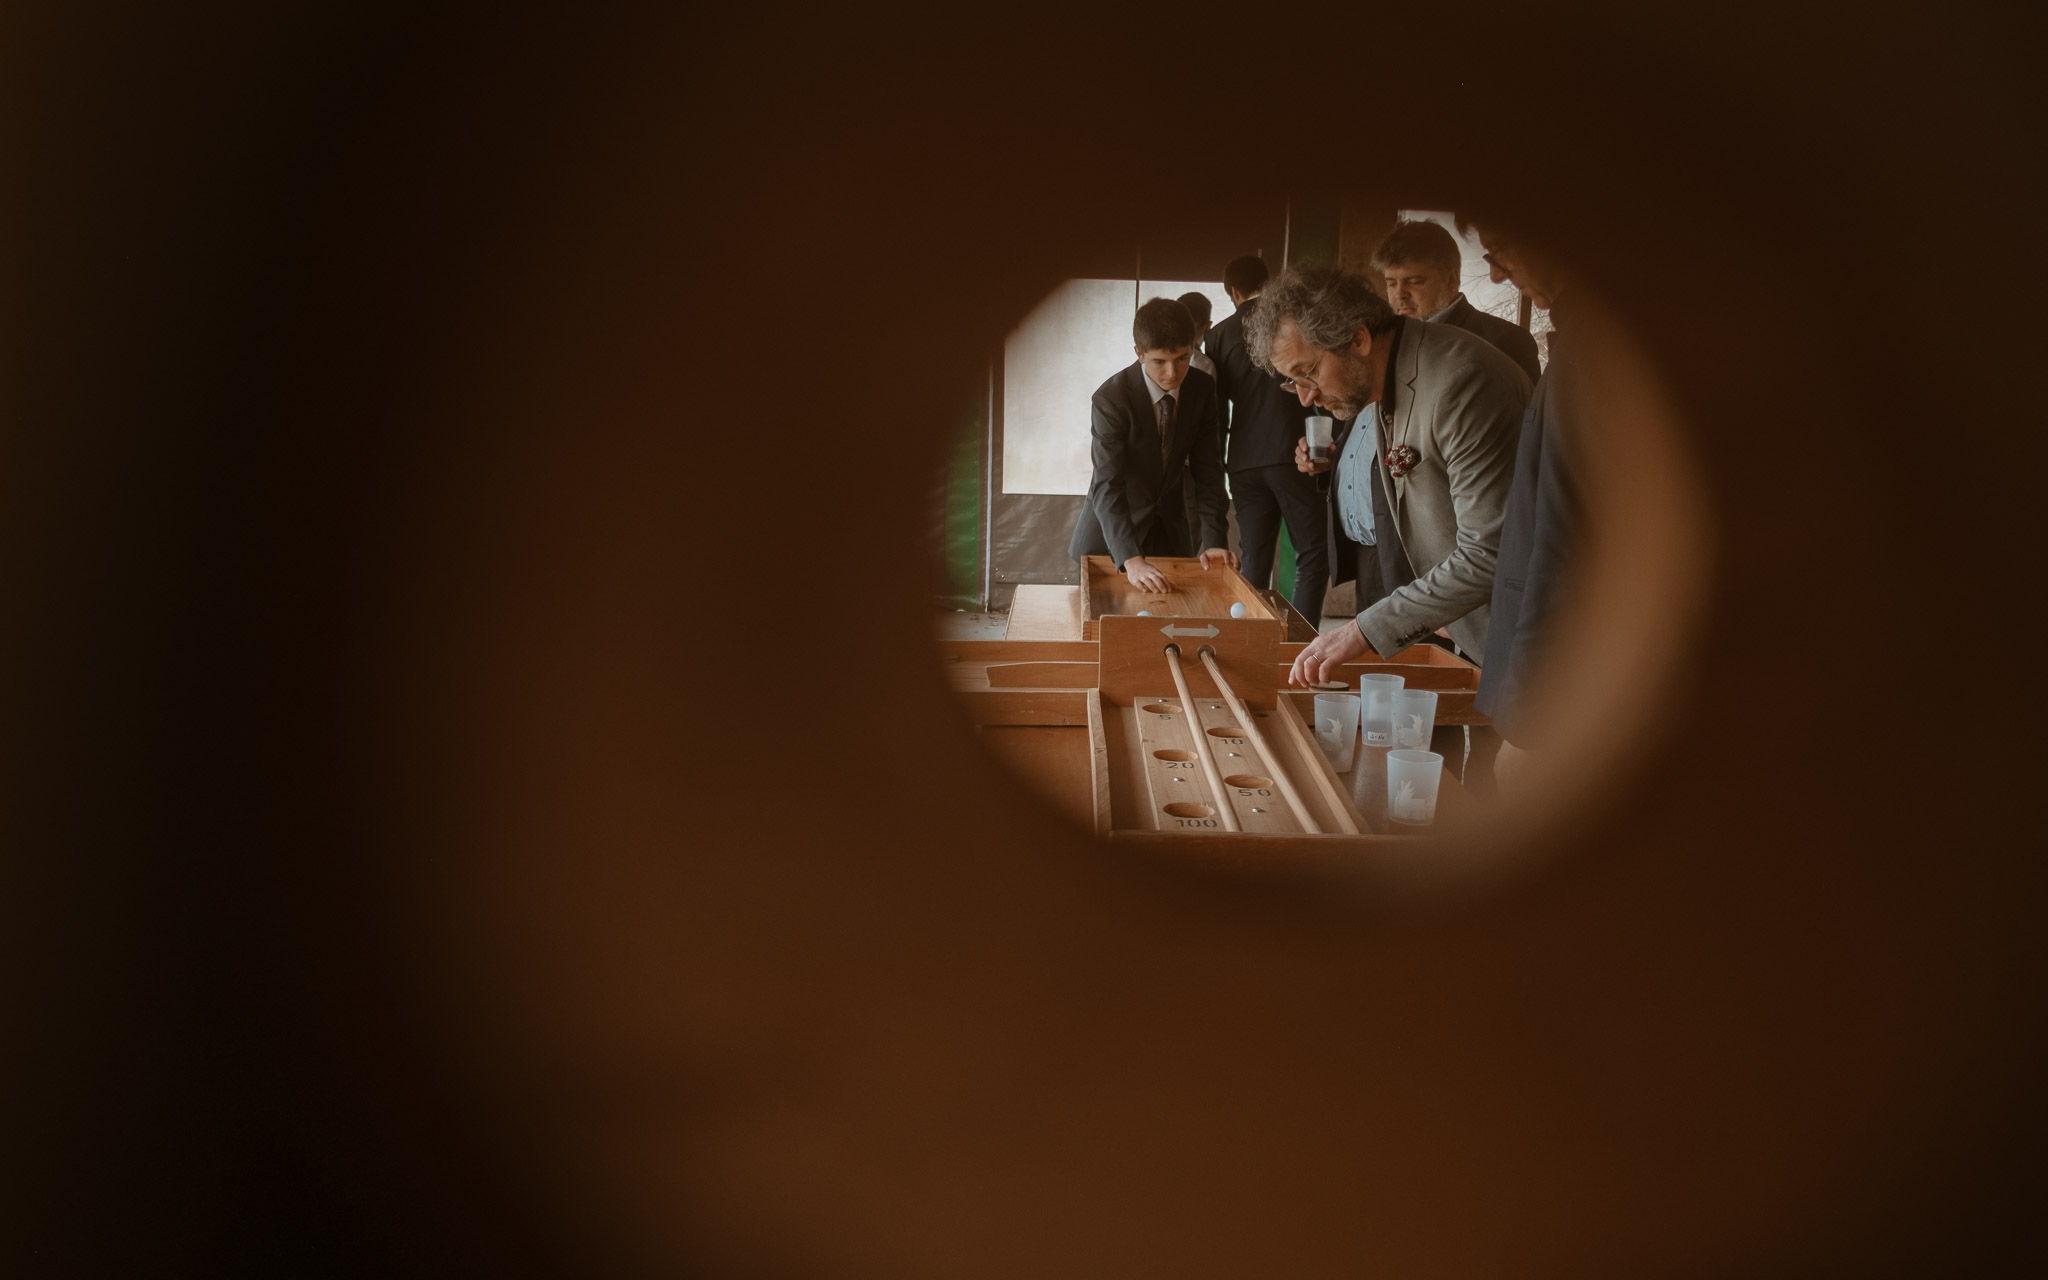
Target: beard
column 1353, row 389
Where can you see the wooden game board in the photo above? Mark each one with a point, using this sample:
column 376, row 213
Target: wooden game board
column 1119, row 722
column 1197, row 593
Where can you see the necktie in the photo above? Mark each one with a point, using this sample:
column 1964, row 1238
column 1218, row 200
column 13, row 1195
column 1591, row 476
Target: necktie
column 1165, row 427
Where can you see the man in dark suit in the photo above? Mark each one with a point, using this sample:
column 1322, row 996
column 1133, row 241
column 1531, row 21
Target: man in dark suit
column 1421, row 265
column 1539, row 535
column 1264, row 424
column 1153, row 428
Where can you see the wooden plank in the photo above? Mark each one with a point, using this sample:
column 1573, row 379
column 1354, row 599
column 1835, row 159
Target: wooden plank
column 1413, row 676
column 1042, row 675
column 1101, row 805
column 1130, row 796
column 1415, row 655
column 988, row 651
column 1290, row 650
column 1026, row 706
column 1180, row 800
column 1315, row 767
column 1044, row 612
column 1134, row 656
column 1258, row 804
column 1252, row 849
column 1054, row 762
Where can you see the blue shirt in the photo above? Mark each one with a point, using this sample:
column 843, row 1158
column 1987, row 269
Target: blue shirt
column 1354, row 477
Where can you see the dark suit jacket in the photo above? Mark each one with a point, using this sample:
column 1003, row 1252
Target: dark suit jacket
column 1264, row 420
column 1136, row 505
column 1508, row 336
column 1538, row 542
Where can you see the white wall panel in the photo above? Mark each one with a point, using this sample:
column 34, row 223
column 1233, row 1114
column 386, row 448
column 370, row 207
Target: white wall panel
column 1052, row 363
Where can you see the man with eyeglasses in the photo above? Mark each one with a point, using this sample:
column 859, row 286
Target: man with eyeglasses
column 1422, row 470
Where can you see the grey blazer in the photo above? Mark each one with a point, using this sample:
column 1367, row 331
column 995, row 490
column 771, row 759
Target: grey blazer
column 1458, row 403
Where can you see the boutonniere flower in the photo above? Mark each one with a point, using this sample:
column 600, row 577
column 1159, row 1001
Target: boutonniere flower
column 1401, row 459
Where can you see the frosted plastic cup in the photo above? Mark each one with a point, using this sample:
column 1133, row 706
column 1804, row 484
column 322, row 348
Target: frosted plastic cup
column 1412, row 778
column 1414, row 718
column 1319, row 429
column 1337, row 727
column 1377, row 692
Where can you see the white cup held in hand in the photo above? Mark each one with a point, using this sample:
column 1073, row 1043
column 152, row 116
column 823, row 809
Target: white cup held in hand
column 1319, row 429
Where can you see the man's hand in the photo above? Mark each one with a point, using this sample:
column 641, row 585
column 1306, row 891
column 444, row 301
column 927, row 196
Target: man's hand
column 1320, row 660
column 1144, row 577
column 1213, row 556
column 1301, row 459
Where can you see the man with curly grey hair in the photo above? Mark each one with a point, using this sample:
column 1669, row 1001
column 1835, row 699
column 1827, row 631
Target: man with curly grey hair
column 1422, row 471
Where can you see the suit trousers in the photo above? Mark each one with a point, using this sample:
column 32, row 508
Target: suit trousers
column 1267, row 495
column 1369, row 584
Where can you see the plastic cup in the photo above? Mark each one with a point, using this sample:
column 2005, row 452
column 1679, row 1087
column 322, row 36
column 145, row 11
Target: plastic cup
column 1377, row 692
column 1414, row 718
column 1319, row 429
column 1412, row 779
column 1337, row 727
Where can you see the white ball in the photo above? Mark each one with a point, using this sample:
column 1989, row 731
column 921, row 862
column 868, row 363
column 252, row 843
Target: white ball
column 1237, row 610
column 1144, row 613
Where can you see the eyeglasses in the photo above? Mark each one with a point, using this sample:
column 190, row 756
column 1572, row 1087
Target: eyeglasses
column 1295, row 384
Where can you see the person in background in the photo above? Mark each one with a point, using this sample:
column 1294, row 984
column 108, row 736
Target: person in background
column 1422, row 265
column 1153, row 429
column 1197, row 304
column 1259, row 455
column 1540, row 532
column 1425, row 465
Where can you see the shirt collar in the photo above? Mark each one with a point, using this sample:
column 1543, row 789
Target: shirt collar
column 1153, row 387
column 1449, row 307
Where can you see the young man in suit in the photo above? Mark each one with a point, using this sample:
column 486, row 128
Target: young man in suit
column 1539, row 539
column 1425, row 465
column 1259, row 455
column 1153, row 428
column 1422, row 265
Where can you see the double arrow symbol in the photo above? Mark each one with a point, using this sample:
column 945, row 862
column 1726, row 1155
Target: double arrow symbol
column 1210, row 631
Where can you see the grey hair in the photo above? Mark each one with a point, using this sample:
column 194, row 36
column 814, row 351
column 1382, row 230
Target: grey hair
column 1327, row 304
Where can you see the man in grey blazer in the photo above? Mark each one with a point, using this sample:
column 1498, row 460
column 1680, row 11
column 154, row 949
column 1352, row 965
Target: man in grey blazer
column 1436, row 416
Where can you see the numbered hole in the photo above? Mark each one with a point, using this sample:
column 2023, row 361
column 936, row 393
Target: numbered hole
column 1231, row 736
column 1161, row 708
column 1174, row 757
column 1248, row 781
column 1189, row 809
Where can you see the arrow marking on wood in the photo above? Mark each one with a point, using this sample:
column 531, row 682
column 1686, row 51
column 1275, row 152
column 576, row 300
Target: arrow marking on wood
column 1170, row 630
